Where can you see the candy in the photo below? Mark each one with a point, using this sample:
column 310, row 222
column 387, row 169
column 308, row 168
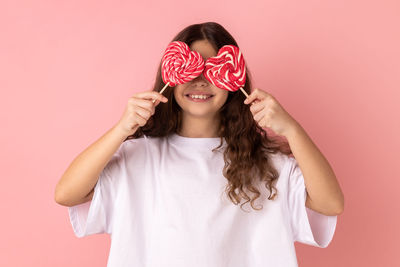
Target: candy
column 180, row 64
column 227, row 70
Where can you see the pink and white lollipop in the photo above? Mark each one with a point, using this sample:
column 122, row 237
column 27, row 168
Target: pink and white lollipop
column 227, row 70
column 180, row 64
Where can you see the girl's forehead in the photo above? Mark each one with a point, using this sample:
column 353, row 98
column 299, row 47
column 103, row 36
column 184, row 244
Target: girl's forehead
column 204, row 47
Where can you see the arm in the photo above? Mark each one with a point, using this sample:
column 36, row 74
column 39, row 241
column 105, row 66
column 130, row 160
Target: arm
column 77, row 184
column 323, row 191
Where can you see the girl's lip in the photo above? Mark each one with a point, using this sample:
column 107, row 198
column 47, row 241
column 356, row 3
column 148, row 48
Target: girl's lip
column 199, row 93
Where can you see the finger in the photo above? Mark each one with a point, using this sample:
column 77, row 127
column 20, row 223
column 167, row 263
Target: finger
column 156, row 102
column 144, row 113
column 259, row 116
column 256, row 107
column 263, row 122
column 256, row 94
column 250, row 99
column 147, row 104
column 141, row 121
column 151, row 95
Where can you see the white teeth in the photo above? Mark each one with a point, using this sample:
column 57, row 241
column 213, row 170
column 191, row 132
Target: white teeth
column 199, row 96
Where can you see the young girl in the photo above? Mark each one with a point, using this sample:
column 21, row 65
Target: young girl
column 167, row 179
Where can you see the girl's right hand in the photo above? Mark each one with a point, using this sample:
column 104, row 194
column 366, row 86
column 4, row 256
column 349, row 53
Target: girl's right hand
column 139, row 109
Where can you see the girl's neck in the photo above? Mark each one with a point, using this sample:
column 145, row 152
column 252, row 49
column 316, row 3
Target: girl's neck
column 198, row 127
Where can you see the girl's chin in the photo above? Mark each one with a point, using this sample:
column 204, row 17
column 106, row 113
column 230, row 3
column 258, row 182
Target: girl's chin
column 198, row 113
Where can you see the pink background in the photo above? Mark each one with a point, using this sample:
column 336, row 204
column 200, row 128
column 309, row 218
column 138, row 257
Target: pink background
column 68, row 68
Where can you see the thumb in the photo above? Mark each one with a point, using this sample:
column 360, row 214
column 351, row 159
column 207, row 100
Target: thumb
column 251, row 97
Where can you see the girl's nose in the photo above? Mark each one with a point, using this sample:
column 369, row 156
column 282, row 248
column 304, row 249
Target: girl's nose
column 200, row 80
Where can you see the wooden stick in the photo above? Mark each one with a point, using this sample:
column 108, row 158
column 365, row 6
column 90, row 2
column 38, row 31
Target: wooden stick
column 162, row 90
column 244, row 92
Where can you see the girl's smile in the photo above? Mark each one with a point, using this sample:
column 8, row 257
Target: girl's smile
column 200, row 97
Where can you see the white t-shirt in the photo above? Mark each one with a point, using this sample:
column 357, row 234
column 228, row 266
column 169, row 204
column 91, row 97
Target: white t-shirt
column 162, row 200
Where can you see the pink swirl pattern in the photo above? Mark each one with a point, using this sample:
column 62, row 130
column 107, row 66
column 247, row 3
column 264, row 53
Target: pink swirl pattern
column 227, row 69
column 180, row 64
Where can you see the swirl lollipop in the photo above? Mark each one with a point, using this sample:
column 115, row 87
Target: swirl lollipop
column 227, row 70
column 180, row 64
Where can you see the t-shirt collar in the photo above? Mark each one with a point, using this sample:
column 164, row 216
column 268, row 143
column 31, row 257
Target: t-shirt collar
column 205, row 142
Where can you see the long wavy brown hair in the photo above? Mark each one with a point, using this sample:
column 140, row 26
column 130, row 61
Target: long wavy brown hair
column 247, row 144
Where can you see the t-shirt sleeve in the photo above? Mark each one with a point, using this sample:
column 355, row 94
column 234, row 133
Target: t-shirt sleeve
column 96, row 215
column 308, row 226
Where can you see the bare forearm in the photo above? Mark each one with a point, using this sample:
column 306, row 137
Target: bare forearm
column 324, row 193
column 82, row 174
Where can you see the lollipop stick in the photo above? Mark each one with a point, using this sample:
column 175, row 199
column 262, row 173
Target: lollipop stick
column 162, row 90
column 244, row 92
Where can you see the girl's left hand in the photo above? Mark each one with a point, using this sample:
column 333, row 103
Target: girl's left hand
column 267, row 112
